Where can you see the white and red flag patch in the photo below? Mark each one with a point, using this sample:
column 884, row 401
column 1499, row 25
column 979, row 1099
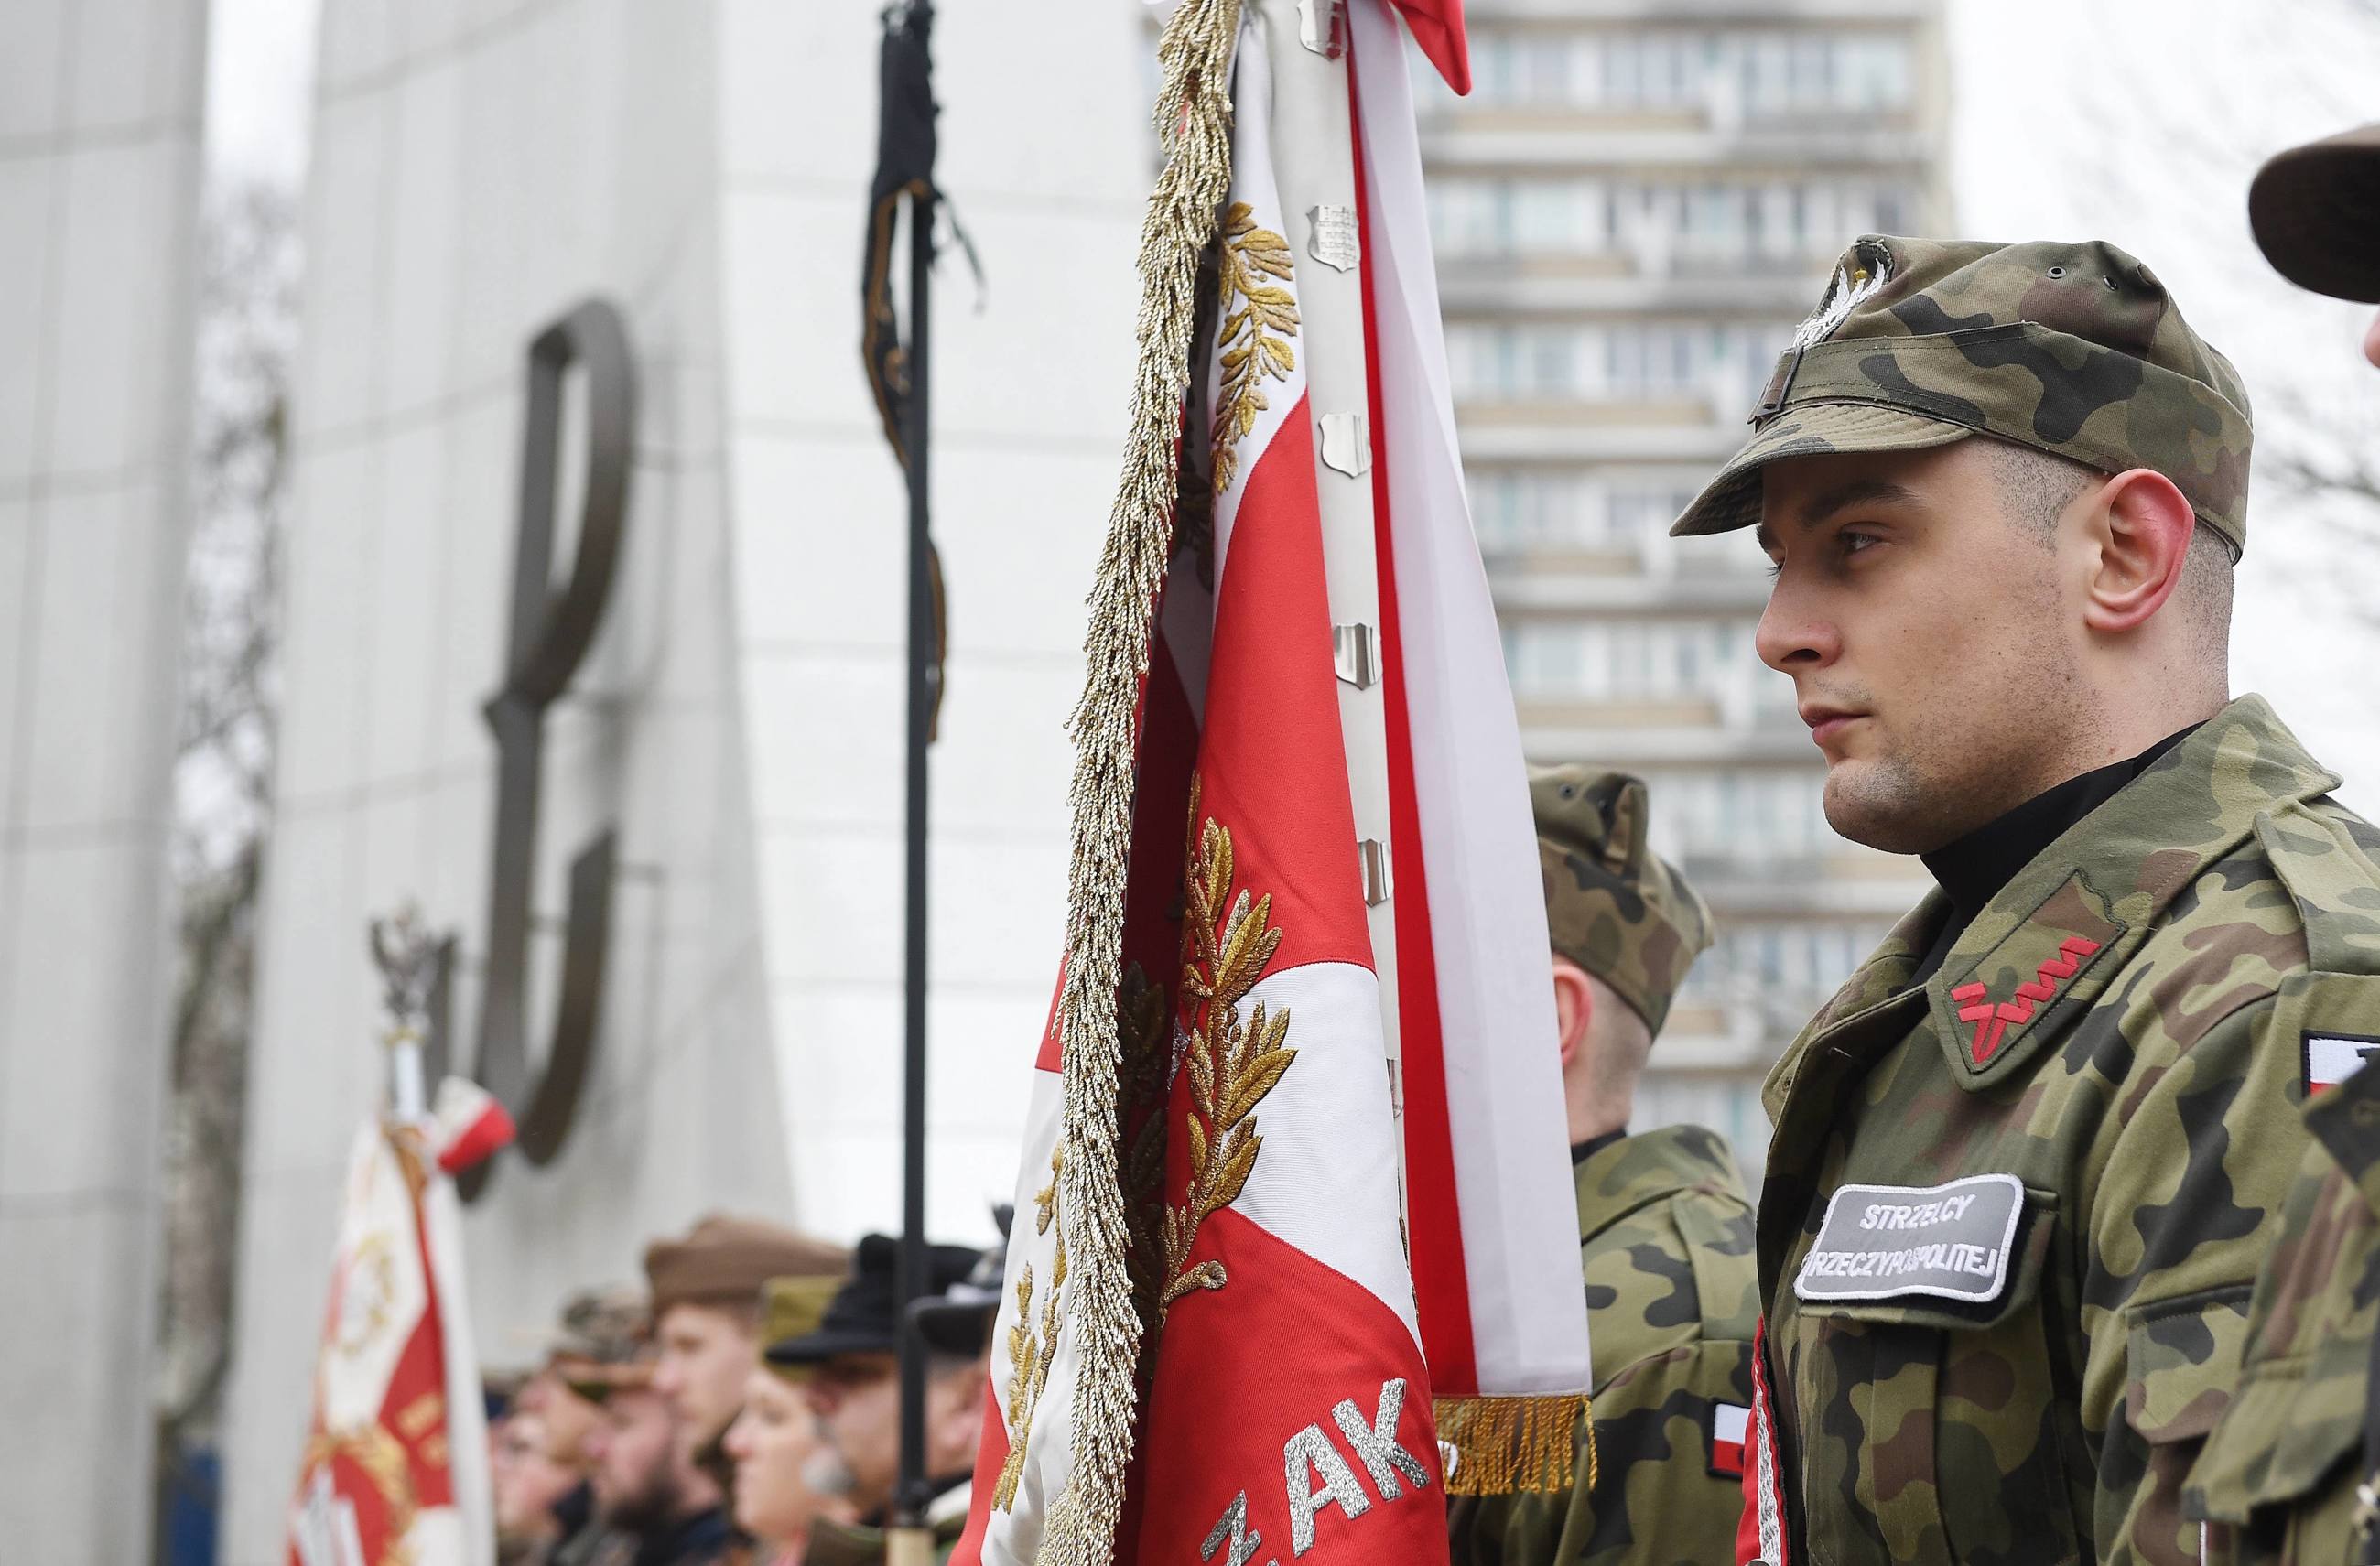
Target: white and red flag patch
column 1729, row 1423
column 396, row 1467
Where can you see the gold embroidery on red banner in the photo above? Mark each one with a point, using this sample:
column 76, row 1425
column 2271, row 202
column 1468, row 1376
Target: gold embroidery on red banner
column 1254, row 341
column 1030, row 1353
column 376, row 1454
column 1232, row 1064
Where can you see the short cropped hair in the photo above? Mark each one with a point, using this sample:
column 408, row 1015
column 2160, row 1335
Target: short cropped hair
column 2037, row 486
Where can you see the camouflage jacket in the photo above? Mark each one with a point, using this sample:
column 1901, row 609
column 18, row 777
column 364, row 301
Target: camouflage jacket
column 2278, row 1475
column 2013, row 1215
column 1665, row 1242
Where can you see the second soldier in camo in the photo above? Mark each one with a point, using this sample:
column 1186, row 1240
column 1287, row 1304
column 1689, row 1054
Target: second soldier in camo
column 1665, row 1227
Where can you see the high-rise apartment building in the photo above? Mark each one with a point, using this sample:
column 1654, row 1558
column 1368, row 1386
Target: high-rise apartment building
column 1634, row 207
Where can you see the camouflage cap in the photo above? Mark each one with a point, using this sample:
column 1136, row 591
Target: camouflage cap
column 604, row 1342
column 1612, row 906
column 2075, row 349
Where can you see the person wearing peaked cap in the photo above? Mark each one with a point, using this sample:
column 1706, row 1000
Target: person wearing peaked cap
column 1665, row 1227
column 604, row 1339
column 850, row 1364
column 652, row 1505
column 598, row 1342
column 2027, row 1161
column 706, row 1301
column 2291, row 1470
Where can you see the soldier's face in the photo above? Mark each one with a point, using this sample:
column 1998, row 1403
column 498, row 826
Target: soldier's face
column 635, row 1455
column 1925, row 632
column 772, row 1442
column 2371, row 342
column 856, row 1400
column 706, row 1355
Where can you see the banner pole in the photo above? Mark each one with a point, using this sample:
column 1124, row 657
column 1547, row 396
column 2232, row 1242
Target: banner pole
column 911, row 1496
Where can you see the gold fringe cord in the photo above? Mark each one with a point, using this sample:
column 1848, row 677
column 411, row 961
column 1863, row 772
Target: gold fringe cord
column 1506, row 1445
column 1193, row 121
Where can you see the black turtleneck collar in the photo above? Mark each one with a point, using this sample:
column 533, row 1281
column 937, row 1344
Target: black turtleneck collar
column 1971, row 869
column 1582, row 1151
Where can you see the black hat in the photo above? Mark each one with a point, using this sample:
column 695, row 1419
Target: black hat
column 2315, row 211
column 959, row 1322
column 864, row 1316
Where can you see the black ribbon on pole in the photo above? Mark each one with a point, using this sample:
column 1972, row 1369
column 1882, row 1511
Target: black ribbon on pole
column 905, row 172
column 897, row 372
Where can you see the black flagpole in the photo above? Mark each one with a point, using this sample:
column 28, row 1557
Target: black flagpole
column 898, row 372
column 922, row 682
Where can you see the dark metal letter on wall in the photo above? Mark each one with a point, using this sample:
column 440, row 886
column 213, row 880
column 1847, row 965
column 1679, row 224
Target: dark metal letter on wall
column 551, row 633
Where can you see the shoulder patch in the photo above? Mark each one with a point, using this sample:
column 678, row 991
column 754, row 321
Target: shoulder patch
column 1730, row 1426
column 2330, row 1059
column 1949, row 1241
column 2333, row 1022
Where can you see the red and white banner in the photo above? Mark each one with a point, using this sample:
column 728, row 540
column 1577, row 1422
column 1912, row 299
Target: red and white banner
column 1488, row 1178
column 1334, row 894
column 396, row 1469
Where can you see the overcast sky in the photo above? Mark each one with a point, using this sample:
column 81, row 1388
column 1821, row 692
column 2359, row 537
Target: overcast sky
column 2137, row 121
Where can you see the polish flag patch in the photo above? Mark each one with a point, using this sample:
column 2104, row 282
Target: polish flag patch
column 2331, row 1059
column 1729, row 1421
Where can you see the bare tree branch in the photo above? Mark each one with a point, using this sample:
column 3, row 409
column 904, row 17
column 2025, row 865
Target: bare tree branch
column 228, row 735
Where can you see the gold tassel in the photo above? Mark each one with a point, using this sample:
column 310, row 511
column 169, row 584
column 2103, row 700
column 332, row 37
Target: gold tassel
column 1503, row 1446
column 1194, row 121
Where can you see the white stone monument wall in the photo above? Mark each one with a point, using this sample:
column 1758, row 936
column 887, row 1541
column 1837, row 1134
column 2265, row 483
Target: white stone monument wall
column 99, row 172
column 476, row 171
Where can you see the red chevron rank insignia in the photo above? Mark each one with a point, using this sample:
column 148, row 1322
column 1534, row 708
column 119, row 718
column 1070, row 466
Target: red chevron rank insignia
column 1975, row 1004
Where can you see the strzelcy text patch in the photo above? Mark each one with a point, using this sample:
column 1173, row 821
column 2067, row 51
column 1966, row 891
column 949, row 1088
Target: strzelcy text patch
column 1883, row 1241
column 2330, row 1059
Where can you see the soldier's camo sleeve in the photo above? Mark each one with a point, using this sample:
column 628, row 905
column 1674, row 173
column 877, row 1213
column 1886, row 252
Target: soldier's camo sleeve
column 2182, row 1201
column 1658, row 1496
column 1661, row 1499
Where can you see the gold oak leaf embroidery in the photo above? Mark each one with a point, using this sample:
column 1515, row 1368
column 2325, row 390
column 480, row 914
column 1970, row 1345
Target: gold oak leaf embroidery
column 1231, row 1064
column 1259, row 318
column 1031, row 1352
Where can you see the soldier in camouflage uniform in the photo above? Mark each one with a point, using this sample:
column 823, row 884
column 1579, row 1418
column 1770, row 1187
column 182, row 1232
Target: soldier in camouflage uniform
column 1665, row 1228
column 2027, row 1161
column 2297, row 1451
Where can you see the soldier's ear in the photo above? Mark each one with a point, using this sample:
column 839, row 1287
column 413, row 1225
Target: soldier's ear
column 1573, row 1007
column 2136, row 534
column 1624, row 830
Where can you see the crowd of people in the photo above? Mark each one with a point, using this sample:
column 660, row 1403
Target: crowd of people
column 742, row 1407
